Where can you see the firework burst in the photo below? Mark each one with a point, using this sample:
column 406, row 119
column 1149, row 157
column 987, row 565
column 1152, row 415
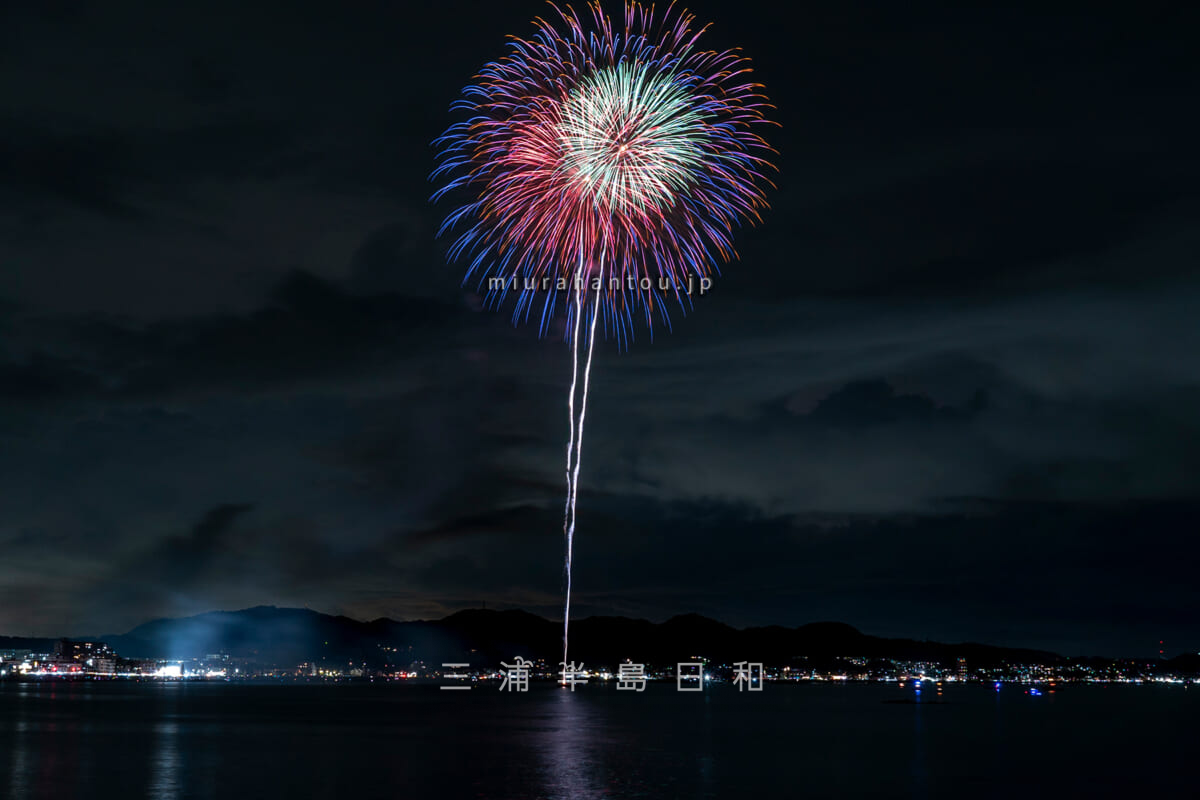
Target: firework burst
column 629, row 145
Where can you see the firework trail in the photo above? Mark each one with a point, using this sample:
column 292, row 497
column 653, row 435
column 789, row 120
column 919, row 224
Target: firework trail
column 603, row 158
column 573, row 471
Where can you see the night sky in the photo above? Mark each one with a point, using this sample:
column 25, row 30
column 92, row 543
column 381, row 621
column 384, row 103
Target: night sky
column 951, row 390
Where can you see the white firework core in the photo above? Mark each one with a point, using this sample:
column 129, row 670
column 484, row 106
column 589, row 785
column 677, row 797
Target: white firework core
column 631, row 138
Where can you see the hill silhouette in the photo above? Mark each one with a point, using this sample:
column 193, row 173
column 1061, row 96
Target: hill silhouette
column 289, row 636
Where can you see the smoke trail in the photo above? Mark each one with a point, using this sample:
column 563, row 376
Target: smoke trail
column 577, row 438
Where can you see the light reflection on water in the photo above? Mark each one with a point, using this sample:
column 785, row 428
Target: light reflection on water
column 164, row 769
column 18, row 782
column 586, row 752
column 566, row 746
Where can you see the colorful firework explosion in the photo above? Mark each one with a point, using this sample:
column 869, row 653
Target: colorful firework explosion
column 621, row 152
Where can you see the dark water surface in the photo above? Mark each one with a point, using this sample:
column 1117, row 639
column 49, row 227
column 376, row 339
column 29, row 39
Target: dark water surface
column 98, row 740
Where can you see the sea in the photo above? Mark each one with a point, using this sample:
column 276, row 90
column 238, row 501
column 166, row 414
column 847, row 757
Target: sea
column 91, row 740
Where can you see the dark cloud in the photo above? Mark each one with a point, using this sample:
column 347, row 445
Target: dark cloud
column 1005, row 225
column 178, row 561
column 79, row 169
column 41, row 377
column 308, row 329
column 870, row 403
column 521, row 519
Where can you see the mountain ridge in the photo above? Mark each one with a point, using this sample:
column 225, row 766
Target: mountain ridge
column 285, row 637
column 288, row 636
